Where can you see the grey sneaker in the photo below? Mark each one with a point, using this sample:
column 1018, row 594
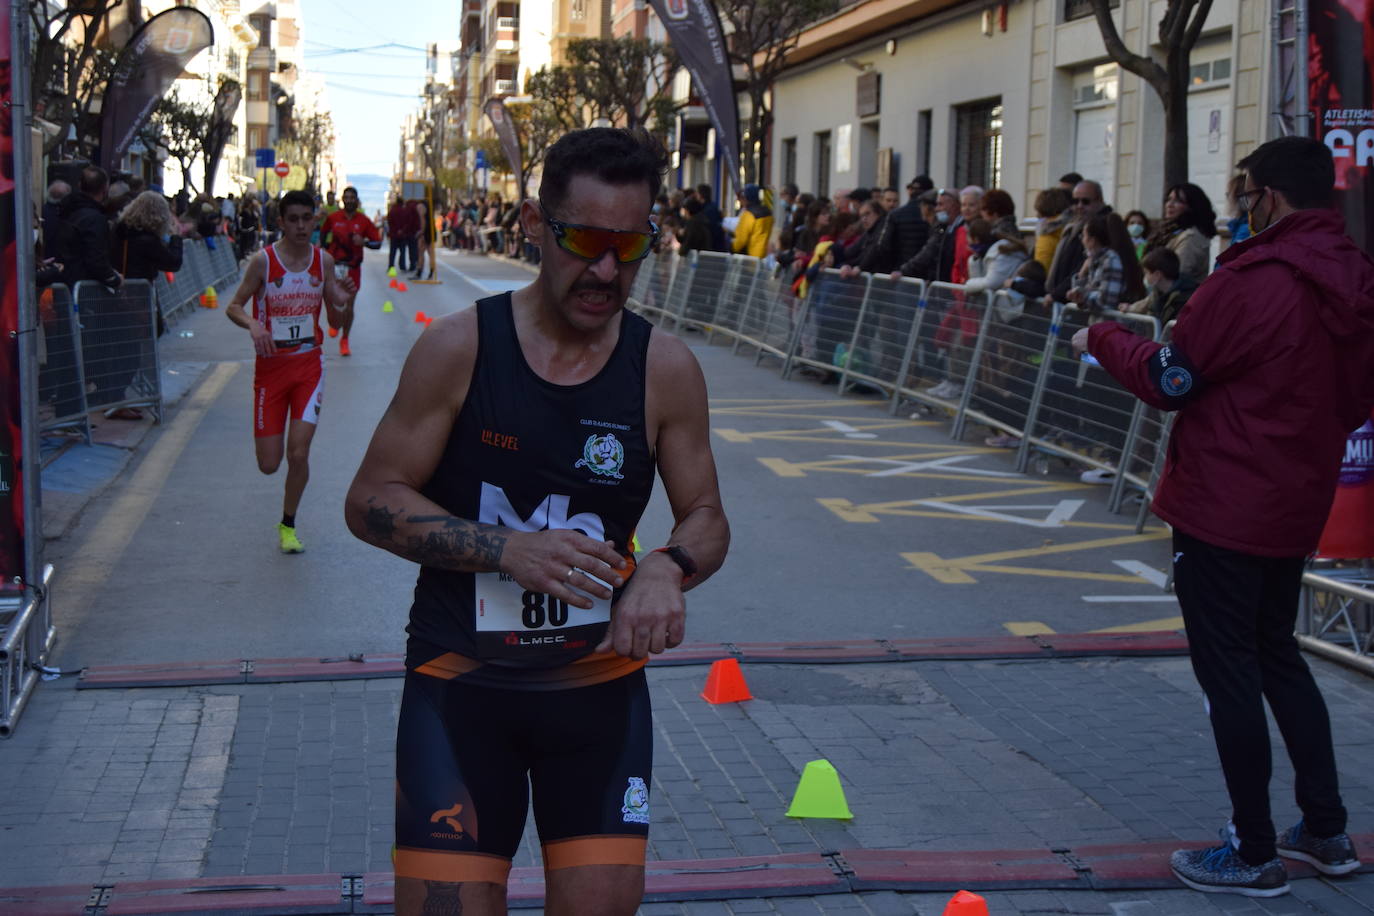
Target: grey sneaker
column 1221, row 870
column 1330, row 856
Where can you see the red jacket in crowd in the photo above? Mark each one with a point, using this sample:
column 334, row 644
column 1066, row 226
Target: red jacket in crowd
column 402, row 221
column 1277, row 349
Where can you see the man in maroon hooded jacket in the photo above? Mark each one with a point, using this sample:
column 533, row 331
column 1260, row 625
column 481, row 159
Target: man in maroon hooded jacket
column 1271, row 366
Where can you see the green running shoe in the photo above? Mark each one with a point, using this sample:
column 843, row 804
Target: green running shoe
column 289, row 542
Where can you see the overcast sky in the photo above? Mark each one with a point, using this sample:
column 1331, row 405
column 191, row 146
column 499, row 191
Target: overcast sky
column 371, row 91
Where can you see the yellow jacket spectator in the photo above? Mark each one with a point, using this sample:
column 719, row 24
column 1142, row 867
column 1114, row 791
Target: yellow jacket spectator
column 755, row 225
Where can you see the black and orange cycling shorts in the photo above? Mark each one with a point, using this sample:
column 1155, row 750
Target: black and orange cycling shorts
column 468, row 758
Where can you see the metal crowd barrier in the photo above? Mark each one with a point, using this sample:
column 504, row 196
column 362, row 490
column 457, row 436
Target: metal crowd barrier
column 1336, row 615
column 119, row 345
column 989, row 358
column 27, row 635
column 201, row 268
column 61, row 371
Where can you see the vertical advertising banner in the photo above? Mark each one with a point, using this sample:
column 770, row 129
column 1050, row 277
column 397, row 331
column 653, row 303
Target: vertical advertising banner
column 694, row 29
column 12, row 556
column 154, row 57
column 1340, row 79
column 510, row 143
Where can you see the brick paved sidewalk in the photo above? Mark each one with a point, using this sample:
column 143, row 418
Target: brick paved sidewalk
column 122, row 785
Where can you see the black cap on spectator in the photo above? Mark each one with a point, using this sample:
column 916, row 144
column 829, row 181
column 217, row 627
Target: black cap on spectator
column 921, row 182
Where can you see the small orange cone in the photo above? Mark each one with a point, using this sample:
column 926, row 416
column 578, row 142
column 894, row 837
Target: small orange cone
column 400, row 287
column 394, row 283
column 966, row 903
column 421, row 317
column 429, row 321
column 725, row 683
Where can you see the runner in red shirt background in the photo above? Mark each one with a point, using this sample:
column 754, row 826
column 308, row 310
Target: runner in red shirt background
column 346, row 233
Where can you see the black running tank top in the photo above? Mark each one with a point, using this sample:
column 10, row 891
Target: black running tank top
column 530, row 455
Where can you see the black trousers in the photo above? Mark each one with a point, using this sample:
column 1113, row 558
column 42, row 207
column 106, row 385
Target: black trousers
column 1239, row 611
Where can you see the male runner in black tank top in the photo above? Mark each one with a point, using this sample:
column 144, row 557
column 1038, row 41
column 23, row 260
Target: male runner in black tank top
column 513, row 465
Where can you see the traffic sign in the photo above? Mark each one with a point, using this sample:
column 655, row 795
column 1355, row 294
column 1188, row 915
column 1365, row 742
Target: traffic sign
column 267, row 157
column 282, row 169
column 481, row 159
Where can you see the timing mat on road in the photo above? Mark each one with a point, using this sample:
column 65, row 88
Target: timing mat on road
column 1140, row 866
column 842, row 652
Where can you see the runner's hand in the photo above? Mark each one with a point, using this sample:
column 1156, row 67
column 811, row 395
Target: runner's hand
column 262, row 340
column 540, row 561
column 651, row 614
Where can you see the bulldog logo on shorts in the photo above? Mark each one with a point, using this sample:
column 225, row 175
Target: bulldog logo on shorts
column 636, row 806
column 604, row 455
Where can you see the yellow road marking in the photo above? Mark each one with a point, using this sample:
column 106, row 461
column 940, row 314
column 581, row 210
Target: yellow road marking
column 1027, row 628
column 733, row 435
column 782, row 467
column 1035, row 627
column 942, row 570
column 869, row 512
column 955, row 570
column 100, row 553
column 1146, row 626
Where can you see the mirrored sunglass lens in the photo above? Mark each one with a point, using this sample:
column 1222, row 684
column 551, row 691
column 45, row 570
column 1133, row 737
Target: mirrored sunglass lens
column 593, row 243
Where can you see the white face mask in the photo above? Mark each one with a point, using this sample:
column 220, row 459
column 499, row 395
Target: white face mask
column 1136, row 230
column 941, row 216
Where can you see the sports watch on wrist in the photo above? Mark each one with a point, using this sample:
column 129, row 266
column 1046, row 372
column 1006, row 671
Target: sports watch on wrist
column 682, row 558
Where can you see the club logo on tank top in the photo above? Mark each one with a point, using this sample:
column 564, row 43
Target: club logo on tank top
column 604, row 455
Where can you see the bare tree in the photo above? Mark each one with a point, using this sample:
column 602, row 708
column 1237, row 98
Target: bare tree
column 70, row 67
column 624, row 80
column 556, row 90
column 764, row 33
column 310, row 135
column 1178, row 32
column 538, row 124
column 179, row 127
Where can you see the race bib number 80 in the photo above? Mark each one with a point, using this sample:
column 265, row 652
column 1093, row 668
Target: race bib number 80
column 503, row 605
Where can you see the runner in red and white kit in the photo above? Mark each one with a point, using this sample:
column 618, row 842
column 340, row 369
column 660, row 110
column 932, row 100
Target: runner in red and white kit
column 288, row 284
column 345, row 234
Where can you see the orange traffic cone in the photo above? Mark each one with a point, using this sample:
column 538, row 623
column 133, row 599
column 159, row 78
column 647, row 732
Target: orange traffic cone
column 725, row 683
column 429, row 321
column 394, row 283
column 421, row 317
column 966, row 903
column 400, row 287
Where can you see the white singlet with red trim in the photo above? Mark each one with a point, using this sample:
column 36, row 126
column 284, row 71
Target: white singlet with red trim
column 289, row 301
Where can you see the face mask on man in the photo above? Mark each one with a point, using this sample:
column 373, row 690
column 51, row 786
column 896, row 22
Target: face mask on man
column 941, row 216
column 1136, row 230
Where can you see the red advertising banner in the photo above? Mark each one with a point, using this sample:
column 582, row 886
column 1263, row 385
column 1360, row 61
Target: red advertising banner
column 1349, row 532
column 1340, row 79
column 12, row 557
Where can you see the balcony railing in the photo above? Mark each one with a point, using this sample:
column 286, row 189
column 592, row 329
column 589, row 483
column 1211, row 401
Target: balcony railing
column 507, row 23
column 506, row 86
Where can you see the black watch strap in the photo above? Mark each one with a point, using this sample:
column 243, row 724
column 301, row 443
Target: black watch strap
column 682, row 558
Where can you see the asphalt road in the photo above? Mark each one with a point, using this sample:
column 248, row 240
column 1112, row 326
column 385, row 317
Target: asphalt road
column 848, row 523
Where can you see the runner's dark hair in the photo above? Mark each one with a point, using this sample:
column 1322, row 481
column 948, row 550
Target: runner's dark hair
column 1300, row 167
column 296, row 199
column 615, row 155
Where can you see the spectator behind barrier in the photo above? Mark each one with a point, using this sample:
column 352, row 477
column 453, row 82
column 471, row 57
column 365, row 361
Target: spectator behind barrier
column 1187, row 230
column 1138, row 226
column 84, row 243
column 1054, row 210
column 755, row 224
column 998, row 250
column 695, row 234
column 1110, row 273
column 714, row 218
column 147, row 238
column 1069, row 254
column 909, row 227
column 1166, row 291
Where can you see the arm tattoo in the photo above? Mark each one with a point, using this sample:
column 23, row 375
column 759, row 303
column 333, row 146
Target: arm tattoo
column 457, row 544
column 442, row 898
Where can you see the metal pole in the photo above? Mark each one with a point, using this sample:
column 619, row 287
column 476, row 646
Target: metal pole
column 1302, row 105
column 22, row 116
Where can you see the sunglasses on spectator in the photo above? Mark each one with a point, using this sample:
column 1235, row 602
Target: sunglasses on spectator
column 590, row 243
column 1083, row 201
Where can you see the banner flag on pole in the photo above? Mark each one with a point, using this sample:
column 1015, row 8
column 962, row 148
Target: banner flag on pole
column 1340, row 95
column 221, row 126
column 510, row 143
column 693, row 27
column 152, row 60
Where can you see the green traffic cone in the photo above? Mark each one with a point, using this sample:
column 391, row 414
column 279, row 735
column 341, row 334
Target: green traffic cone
column 391, row 271
column 819, row 794
column 387, row 307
